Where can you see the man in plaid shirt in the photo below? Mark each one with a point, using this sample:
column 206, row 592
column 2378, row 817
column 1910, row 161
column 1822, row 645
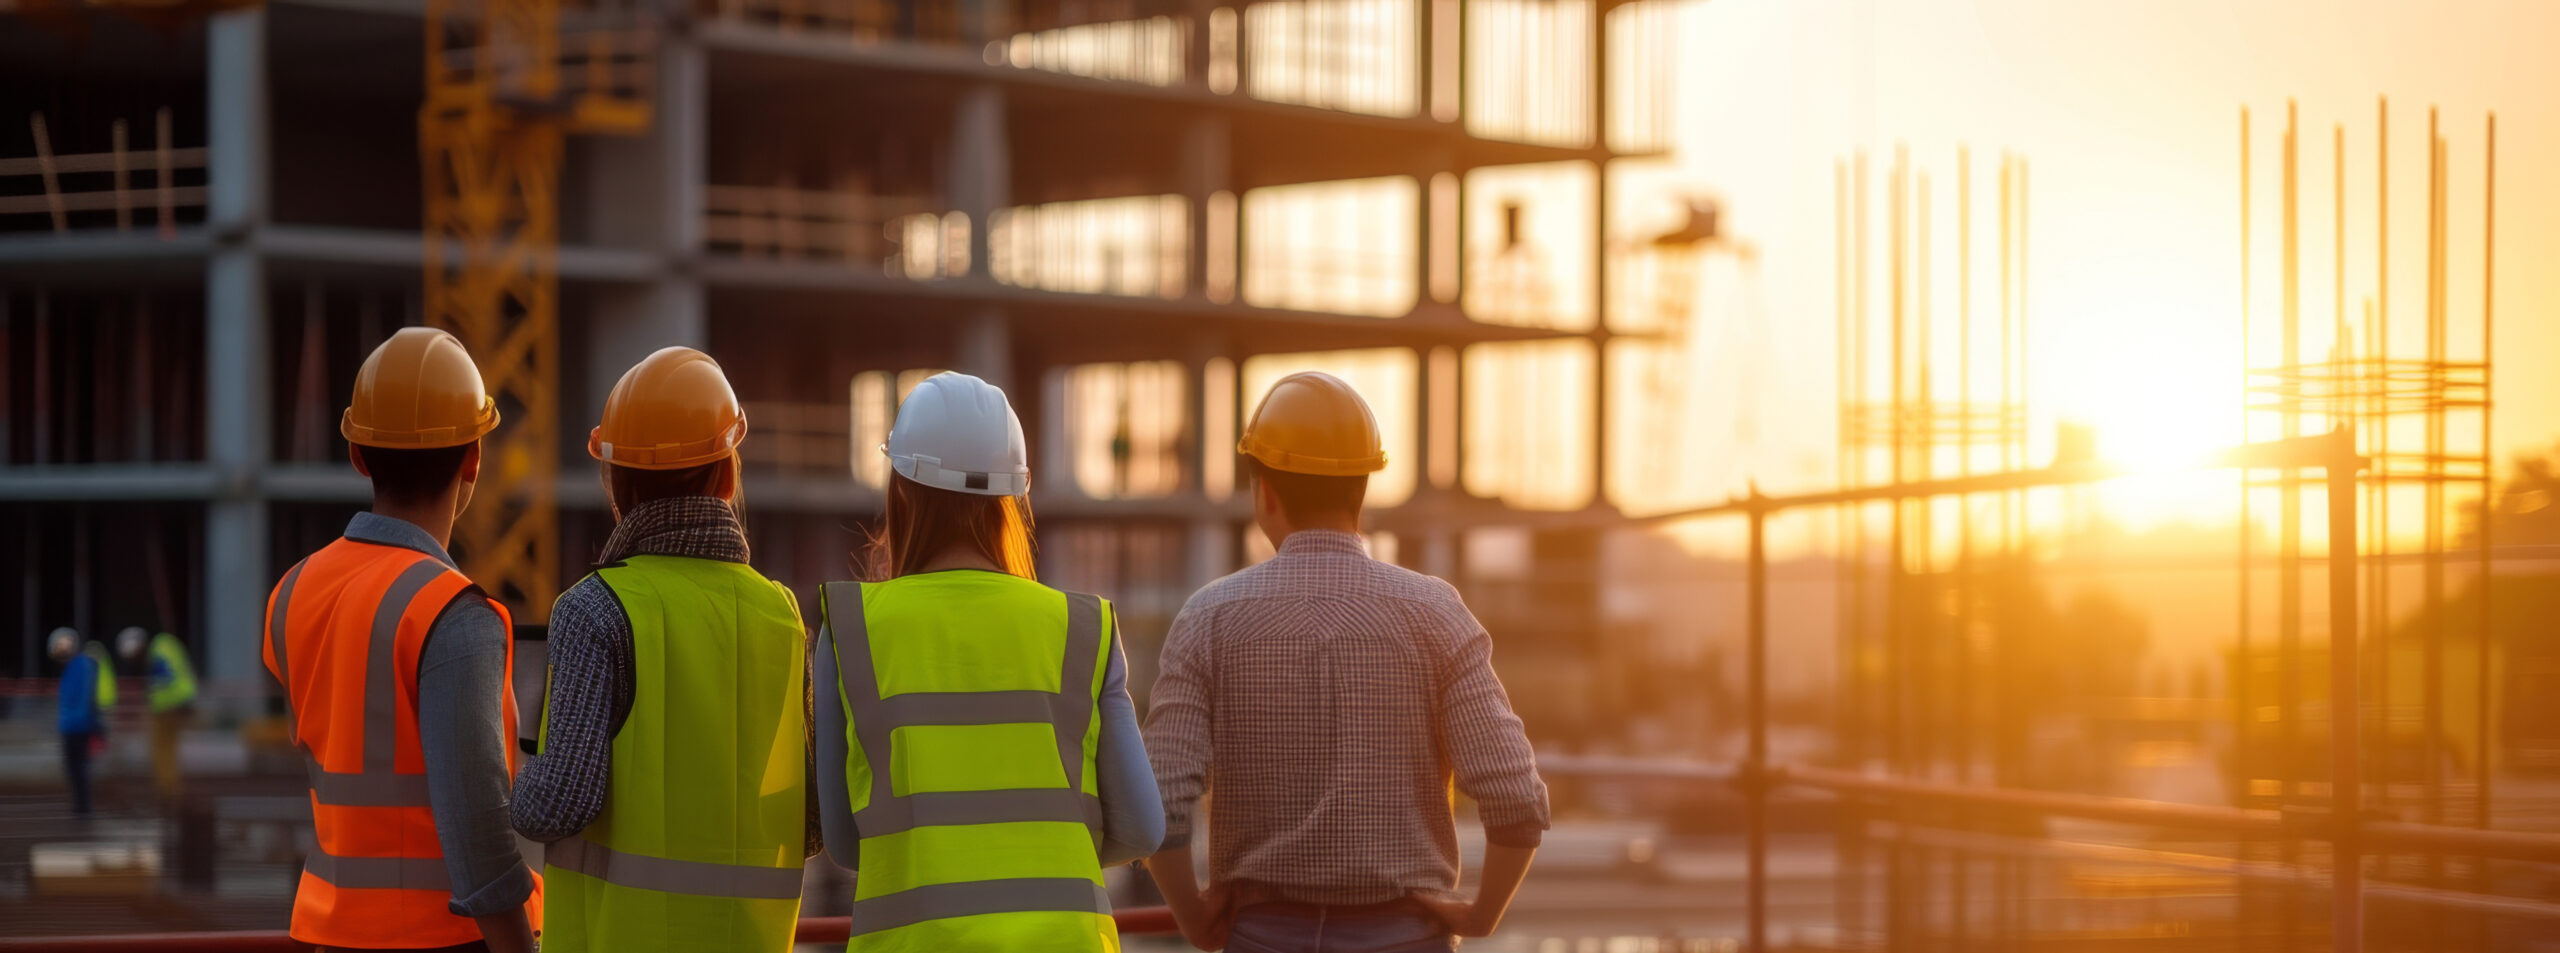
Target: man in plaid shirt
column 1328, row 699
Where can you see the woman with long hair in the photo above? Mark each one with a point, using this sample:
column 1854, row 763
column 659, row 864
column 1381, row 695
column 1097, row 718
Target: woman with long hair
column 979, row 760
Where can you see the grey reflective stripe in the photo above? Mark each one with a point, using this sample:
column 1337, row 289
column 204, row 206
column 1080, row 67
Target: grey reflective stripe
column 368, row 789
column 379, row 873
column 665, row 875
column 381, row 671
column 942, row 901
column 944, row 808
column 1071, row 709
column 275, row 639
column 860, row 688
column 965, row 708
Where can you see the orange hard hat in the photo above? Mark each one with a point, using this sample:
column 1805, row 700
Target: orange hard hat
column 1313, row 423
column 418, row 391
column 672, row 410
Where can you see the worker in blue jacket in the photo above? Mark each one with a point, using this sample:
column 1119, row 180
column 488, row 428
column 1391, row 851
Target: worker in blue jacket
column 81, row 720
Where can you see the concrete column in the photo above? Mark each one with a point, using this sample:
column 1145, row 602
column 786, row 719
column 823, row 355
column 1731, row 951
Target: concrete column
column 629, row 322
column 984, row 347
column 1599, row 65
column 236, row 564
column 979, row 177
column 1206, row 170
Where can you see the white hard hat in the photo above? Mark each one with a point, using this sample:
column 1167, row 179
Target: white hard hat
column 129, row 642
column 62, row 642
column 956, row 432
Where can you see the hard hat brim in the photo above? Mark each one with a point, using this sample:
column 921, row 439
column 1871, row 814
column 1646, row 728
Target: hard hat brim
column 668, row 456
column 432, row 438
column 1287, row 462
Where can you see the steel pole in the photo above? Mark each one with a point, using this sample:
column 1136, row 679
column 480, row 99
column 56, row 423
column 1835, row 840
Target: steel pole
column 1756, row 789
column 2345, row 773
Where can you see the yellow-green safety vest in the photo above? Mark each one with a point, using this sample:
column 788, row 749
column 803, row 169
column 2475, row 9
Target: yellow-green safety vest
column 705, row 821
column 180, row 688
column 106, row 693
column 971, row 722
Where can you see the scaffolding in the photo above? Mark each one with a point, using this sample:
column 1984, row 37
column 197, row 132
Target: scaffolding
column 1915, row 688
column 2374, row 384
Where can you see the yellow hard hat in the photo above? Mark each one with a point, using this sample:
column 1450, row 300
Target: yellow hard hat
column 1313, row 423
column 672, row 410
column 419, row 391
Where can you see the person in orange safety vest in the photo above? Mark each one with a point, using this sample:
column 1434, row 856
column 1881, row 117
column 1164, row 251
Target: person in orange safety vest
column 395, row 670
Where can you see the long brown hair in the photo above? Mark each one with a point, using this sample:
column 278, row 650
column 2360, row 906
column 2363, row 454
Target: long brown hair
column 921, row 521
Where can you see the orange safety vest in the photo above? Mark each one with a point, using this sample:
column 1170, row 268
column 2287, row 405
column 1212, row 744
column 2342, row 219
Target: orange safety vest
column 344, row 630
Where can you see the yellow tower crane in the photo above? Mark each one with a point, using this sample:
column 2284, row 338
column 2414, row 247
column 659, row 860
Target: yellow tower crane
column 501, row 97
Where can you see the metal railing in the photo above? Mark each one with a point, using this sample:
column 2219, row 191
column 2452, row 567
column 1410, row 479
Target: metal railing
column 1133, row 921
column 2344, row 825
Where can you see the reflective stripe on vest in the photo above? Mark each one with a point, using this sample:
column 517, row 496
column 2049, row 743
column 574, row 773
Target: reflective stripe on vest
column 356, row 614
column 673, row 876
column 700, row 842
column 1068, row 713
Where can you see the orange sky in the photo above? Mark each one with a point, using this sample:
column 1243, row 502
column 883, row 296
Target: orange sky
column 2128, row 114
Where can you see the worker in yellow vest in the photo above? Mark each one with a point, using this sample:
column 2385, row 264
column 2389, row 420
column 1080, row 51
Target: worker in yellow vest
column 395, row 669
column 671, row 785
column 173, row 697
column 979, row 761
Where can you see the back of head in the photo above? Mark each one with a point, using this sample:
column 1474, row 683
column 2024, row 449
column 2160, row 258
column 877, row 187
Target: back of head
column 418, row 408
column 962, row 470
column 1314, row 442
column 671, row 427
column 62, row 644
column 131, row 641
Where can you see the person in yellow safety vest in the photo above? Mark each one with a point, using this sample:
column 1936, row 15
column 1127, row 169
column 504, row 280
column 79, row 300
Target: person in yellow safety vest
column 671, row 785
column 173, row 697
column 1270, row 675
column 979, row 761
column 396, row 673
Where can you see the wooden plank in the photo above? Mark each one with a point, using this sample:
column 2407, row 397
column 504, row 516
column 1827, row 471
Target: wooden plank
column 163, row 157
column 59, row 203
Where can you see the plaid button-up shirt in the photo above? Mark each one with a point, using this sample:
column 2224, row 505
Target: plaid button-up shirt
column 1325, row 700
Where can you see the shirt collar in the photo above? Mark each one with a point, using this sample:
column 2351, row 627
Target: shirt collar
column 702, row 527
column 1325, row 541
column 371, row 527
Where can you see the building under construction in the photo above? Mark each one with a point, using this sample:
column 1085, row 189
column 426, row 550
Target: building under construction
column 1132, row 214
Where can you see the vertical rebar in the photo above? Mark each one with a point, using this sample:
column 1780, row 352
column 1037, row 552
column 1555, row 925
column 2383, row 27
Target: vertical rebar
column 2488, row 465
column 2289, row 533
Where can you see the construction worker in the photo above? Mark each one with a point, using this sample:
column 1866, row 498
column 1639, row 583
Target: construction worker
column 80, row 716
column 173, row 698
column 672, row 780
column 978, row 756
column 395, row 671
column 1328, row 697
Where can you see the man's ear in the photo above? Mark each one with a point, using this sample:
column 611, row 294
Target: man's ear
column 470, row 472
column 356, row 457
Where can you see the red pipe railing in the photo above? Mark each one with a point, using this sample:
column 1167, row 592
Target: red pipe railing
column 1134, row 920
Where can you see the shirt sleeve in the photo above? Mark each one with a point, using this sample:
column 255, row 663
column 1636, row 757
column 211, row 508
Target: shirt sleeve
column 462, row 687
column 1177, row 733
column 1132, row 811
column 562, row 788
column 1488, row 749
column 835, row 798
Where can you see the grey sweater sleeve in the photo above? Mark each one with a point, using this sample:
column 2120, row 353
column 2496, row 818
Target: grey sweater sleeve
column 462, row 684
column 562, row 789
column 835, row 801
column 1132, row 811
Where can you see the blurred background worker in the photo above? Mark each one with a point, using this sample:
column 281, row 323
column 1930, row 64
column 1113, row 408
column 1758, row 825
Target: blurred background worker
column 173, row 699
column 1319, row 651
column 81, row 716
column 672, row 780
column 978, row 754
column 395, row 669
